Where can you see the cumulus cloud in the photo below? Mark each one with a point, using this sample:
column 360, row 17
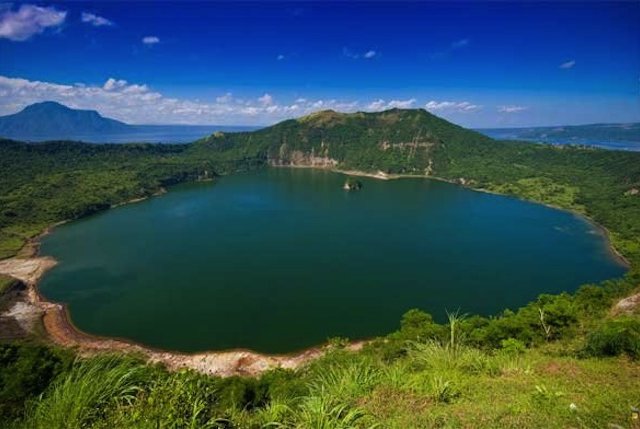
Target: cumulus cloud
column 381, row 104
column 266, row 100
column 568, row 64
column 139, row 104
column 95, row 20
column 150, row 40
column 370, row 54
column 451, row 106
column 226, row 98
column 511, row 109
column 28, row 20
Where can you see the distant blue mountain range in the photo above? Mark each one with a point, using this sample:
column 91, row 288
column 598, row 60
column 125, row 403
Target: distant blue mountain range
column 54, row 121
column 608, row 136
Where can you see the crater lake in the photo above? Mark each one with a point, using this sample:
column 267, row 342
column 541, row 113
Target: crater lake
column 281, row 259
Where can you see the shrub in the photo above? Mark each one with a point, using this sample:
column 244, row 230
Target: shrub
column 419, row 326
column 25, row 372
column 512, row 346
column 615, row 337
column 442, row 390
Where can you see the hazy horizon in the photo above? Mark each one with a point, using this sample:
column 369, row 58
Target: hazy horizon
column 257, row 126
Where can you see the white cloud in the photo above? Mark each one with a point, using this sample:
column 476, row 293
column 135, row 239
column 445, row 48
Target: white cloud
column 449, row 50
column 511, row 109
column 266, row 100
column 112, row 84
column 28, row 20
column 280, row 57
column 224, row 98
column 376, row 105
column 150, row 40
column 460, row 43
column 381, row 104
column 139, row 104
column 568, row 64
column 452, row 106
column 95, row 20
column 357, row 55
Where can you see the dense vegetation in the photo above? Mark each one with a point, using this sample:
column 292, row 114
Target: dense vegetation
column 561, row 361
column 50, row 182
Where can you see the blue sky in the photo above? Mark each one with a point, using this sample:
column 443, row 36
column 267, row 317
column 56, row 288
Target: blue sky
column 478, row 64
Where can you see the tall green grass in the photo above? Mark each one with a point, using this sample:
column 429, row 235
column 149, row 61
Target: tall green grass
column 82, row 396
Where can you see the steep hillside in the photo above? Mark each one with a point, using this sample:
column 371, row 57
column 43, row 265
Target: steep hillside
column 394, row 141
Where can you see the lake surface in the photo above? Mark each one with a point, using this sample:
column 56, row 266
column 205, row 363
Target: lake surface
column 281, row 259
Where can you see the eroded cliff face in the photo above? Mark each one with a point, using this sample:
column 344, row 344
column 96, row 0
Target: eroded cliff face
column 298, row 158
column 416, row 153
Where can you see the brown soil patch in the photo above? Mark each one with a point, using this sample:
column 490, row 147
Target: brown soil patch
column 561, row 368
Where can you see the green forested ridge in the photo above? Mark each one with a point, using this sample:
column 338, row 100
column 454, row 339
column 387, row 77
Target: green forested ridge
column 560, row 361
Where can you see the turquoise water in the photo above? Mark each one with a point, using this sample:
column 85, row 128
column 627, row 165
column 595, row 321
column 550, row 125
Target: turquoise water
column 281, row 259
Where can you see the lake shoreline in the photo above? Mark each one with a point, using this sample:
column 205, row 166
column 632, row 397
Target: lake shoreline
column 60, row 329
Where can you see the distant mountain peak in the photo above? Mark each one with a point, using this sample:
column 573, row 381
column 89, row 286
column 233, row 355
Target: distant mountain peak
column 56, row 121
column 54, row 106
column 47, row 104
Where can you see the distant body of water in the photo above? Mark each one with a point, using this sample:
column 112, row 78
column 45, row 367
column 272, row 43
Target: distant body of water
column 281, row 259
column 514, row 134
column 144, row 134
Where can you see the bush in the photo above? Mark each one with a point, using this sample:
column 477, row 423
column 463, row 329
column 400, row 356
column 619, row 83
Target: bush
column 512, row 346
column 615, row 337
column 416, row 325
column 25, row 372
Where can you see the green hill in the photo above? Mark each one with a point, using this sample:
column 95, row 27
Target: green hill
column 395, row 141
